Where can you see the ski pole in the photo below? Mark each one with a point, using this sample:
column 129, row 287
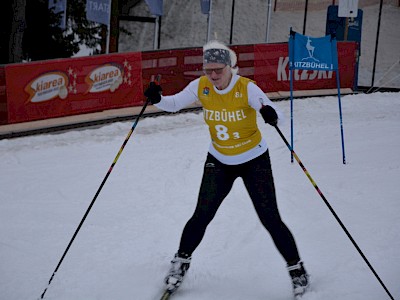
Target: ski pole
column 99, row 189
column 333, row 212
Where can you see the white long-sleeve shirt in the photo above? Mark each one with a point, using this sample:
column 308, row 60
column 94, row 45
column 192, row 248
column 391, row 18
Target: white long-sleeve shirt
column 256, row 98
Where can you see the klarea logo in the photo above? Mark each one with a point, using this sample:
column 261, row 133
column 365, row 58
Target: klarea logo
column 103, row 78
column 48, row 86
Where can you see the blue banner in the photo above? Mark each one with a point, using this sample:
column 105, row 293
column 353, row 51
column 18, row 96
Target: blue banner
column 308, row 53
column 205, row 6
column 98, row 11
column 156, row 7
column 59, row 6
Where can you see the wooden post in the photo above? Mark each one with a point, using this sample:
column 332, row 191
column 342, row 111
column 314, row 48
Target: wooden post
column 346, row 29
column 114, row 27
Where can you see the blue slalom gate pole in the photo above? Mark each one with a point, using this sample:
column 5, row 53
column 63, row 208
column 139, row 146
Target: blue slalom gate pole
column 291, row 114
column 340, row 116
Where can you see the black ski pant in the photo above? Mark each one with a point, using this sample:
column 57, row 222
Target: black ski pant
column 217, row 182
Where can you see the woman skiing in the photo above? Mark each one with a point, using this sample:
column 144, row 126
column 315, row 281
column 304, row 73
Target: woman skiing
column 237, row 149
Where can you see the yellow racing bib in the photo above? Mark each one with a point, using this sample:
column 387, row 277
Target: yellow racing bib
column 231, row 120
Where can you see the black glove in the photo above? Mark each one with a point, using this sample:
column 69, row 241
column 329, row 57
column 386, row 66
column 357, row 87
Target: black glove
column 269, row 115
column 153, row 92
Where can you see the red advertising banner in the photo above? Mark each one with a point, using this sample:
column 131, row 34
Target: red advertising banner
column 57, row 88
column 3, row 97
column 271, row 69
column 267, row 64
column 62, row 87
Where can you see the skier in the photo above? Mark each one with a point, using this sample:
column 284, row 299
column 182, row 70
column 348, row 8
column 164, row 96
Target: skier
column 237, row 149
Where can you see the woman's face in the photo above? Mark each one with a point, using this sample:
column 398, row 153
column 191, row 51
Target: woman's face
column 219, row 74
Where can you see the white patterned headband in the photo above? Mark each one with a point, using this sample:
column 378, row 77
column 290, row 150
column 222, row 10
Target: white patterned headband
column 221, row 56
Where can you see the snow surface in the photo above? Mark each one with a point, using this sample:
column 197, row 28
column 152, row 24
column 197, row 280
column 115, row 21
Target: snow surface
column 124, row 247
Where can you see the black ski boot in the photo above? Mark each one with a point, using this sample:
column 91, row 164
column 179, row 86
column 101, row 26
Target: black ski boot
column 300, row 279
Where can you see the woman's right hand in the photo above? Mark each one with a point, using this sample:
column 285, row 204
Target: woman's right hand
column 153, row 92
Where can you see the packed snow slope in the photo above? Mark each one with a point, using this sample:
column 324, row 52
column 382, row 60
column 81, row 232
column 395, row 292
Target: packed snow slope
column 125, row 245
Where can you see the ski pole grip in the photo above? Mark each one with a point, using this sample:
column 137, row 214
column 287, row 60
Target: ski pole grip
column 157, row 80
